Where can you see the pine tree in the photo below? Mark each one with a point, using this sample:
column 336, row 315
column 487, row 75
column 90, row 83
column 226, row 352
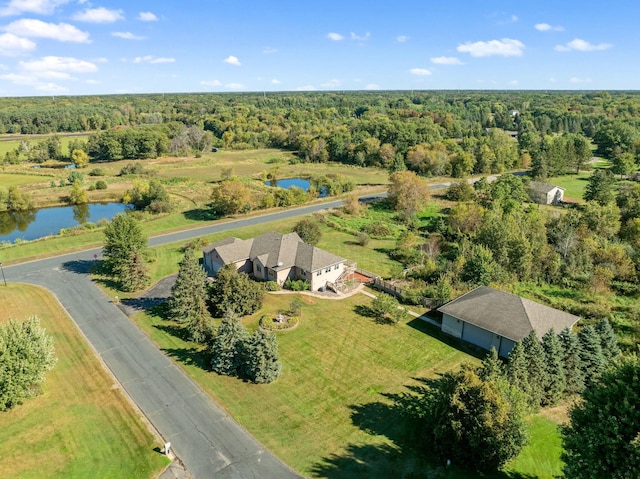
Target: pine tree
column 572, row 362
column 227, row 347
column 536, row 368
column 555, row 375
column 593, row 362
column 124, row 252
column 492, row 367
column 188, row 302
column 517, row 372
column 134, row 275
column 608, row 340
column 262, row 361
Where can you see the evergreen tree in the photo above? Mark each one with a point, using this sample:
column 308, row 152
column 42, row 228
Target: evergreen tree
column 601, row 440
column 491, row 367
column 228, row 346
column 517, row 372
column 572, row 362
column 188, row 301
column 134, row 274
column 556, row 381
column 608, row 340
column 262, row 361
column 600, row 187
column 234, row 291
column 536, row 368
column 593, row 362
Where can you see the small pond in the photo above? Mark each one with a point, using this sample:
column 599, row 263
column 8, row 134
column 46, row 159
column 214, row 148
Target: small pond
column 34, row 224
column 301, row 183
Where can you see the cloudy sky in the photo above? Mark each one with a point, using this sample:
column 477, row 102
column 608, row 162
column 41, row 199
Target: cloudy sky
column 80, row 47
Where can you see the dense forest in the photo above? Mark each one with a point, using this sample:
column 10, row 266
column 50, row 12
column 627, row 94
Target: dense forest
column 433, row 133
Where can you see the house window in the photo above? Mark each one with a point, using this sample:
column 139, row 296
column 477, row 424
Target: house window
column 259, row 268
column 328, row 270
column 303, row 272
column 319, row 272
column 336, row 266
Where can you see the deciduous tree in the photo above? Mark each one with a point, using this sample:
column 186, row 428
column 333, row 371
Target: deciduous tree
column 234, row 291
column 26, row 354
column 308, row 230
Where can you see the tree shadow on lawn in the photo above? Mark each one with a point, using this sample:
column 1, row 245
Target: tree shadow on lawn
column 201, row 214
column 405, row 457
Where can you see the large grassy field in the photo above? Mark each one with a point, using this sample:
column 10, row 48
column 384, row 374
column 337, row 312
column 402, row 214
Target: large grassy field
column 82, row 425
column 574, row 185
column 330, row 414
column 10, row 143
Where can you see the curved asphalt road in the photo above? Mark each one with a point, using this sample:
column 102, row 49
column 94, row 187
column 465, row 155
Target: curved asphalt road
column 207, row 440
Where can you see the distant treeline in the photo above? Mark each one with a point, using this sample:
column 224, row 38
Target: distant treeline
column 430, row 132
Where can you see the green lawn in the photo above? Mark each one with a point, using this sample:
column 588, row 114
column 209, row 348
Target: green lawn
column 330, row 413
column 9, row 180
column 82, row 425
column 574, row 185
column 11, row 144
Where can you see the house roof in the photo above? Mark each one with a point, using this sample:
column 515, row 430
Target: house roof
column 540, row 187
column 506, row 314
column 274, row 250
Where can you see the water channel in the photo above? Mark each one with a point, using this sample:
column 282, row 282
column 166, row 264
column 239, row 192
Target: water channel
column 34, row 224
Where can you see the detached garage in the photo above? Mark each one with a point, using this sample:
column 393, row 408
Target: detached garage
column 490, row 318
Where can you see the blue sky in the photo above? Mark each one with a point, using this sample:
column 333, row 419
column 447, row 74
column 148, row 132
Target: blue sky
column 80, row 47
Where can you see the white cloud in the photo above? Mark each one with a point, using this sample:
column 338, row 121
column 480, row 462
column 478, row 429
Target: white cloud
column 579, row 80
column 580, row 45
column 334, row 36
column 235, row 86
column 99, row 15
column 446, row 61
column 420, row 71
column 306, row 88
column 513, row 82
column 147, row 17
column 211, row 83
column 275, row 81
column 46, row 65
column 362, row 38
column 100, row 60
column 153, row 60
column 41, row 7
column 51, row 88
column 545, row 27
column 13, row 46
column 231, row 60
column 372, row 86
column 331, row 84
column 402, row 38
column 269, row 50
column 127, row 36
column 32, row 28
column 506, row 47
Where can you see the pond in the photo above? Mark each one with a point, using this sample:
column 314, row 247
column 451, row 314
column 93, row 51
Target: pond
column 34, row 224
column 301, row 183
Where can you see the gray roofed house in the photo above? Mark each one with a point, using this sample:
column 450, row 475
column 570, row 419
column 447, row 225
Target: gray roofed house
column 276, row 257
column 545, row 194
column 490, row 318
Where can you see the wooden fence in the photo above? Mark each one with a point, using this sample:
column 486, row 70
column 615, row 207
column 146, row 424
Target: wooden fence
column 399, row 292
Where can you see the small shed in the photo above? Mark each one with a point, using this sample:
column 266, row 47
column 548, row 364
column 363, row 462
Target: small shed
column 545, row 194
column 490, row 318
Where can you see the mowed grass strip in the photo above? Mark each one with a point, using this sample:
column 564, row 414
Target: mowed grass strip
column 82, row 425
column 9, row 180
column 340, row 372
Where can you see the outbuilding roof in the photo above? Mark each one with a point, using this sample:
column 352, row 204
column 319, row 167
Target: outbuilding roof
column 506, row 314
column 540, row 187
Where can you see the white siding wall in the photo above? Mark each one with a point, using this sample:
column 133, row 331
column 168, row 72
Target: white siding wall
column 451, row 325
column 327, row 275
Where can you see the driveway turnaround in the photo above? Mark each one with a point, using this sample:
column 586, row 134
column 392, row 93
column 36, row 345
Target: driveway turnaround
column 205, row 438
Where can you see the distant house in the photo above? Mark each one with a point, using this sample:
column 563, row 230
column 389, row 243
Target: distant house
column 276, row 257
column 490, row 318
column 545, row 194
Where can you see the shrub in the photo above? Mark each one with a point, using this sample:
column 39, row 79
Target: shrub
column 296, row 284
column 377, row 229
column 363, row 238
column 75, row 176
column 101, row 185
column 271, row 286
column 97, row 172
